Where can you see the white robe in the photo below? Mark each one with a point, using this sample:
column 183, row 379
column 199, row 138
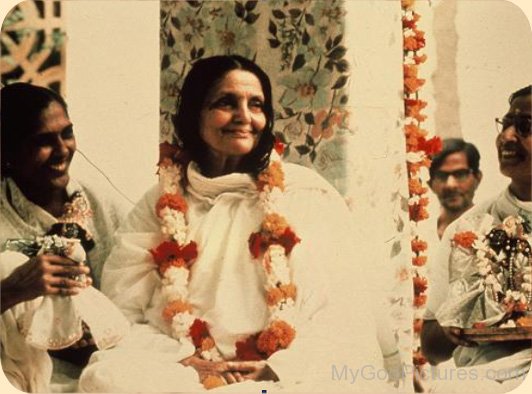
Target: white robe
column 27, row 367
column 334, row 328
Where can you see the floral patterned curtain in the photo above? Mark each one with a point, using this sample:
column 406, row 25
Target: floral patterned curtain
column 299, row 43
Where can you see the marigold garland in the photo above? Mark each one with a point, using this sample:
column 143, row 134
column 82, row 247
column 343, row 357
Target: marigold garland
column 176, row 254
column 419, row 149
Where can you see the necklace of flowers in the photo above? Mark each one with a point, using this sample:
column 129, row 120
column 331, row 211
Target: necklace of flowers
column 175, row 255
column 504, row 263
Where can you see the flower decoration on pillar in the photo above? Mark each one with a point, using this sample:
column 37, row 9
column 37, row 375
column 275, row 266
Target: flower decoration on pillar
column 420, row 147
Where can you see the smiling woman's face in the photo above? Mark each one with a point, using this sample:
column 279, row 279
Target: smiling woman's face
column 232, row 117
column 41, row 164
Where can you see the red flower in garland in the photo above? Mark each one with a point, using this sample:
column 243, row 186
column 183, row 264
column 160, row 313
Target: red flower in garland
column 168, row 251
column 279, row 147
column 258, row 242
column 420, row 300
column 431, row 146
column 465, row 239
column 198, row 331
column 417, row 211
column 246, row 350
column 420, row 285
column 419, row 261
column 418, row 245
column 410, row 23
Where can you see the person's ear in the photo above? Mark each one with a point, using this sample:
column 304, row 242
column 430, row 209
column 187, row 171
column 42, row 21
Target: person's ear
column 478, row 177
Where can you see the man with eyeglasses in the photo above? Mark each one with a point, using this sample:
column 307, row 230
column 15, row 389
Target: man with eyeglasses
column 454, row 178
column 487, row 366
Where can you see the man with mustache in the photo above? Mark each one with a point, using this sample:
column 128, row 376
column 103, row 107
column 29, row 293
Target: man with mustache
column 454, row 178
column 493, row 366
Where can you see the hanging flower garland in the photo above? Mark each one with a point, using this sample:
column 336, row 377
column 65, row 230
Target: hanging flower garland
column 272, row 244
column 419, row 149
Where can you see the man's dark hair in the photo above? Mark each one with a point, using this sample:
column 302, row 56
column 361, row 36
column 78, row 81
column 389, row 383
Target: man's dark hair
column 526, row 91
column 455, row 145
column 21, row 107
column 203, row 76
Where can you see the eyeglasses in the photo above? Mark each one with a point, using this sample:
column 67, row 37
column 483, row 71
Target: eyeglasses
column 522, row 124
column 458, row 175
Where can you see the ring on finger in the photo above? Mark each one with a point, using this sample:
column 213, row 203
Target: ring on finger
column 63, row 291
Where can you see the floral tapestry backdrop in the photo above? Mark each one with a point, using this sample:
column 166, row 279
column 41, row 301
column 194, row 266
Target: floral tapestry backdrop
column 32, row 45
column 299, row 43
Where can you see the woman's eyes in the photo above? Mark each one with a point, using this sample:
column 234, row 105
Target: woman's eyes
column 229, row 102
column 48, row 139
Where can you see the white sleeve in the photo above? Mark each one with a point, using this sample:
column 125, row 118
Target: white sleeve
column 129, row 276
column 438, row 269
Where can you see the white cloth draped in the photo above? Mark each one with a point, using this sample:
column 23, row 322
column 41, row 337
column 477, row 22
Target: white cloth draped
column 28, row 329
column 227, row 286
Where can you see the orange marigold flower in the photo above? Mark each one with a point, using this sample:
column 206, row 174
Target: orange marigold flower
column 175, row 307
column 419, row 261
column 420, row 285
column 412, row 85
column 273, row 176
column 407, row 4
column 418, row 325
column 465, row 239
column 420, row 300
column 164, row 265
column 277, row 336
column 410, row 70
column 420, row 59
column 410, row 43
column 207, row 344
column 172, row 201
column 415, row 187
column 274, row 224
column 418, row 245
column 413, row 109
column 276, row 294
column 417, row 211
column 212, row 381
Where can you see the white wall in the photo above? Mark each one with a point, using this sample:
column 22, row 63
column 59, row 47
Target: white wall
column 494, row 58
column 112, row 85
